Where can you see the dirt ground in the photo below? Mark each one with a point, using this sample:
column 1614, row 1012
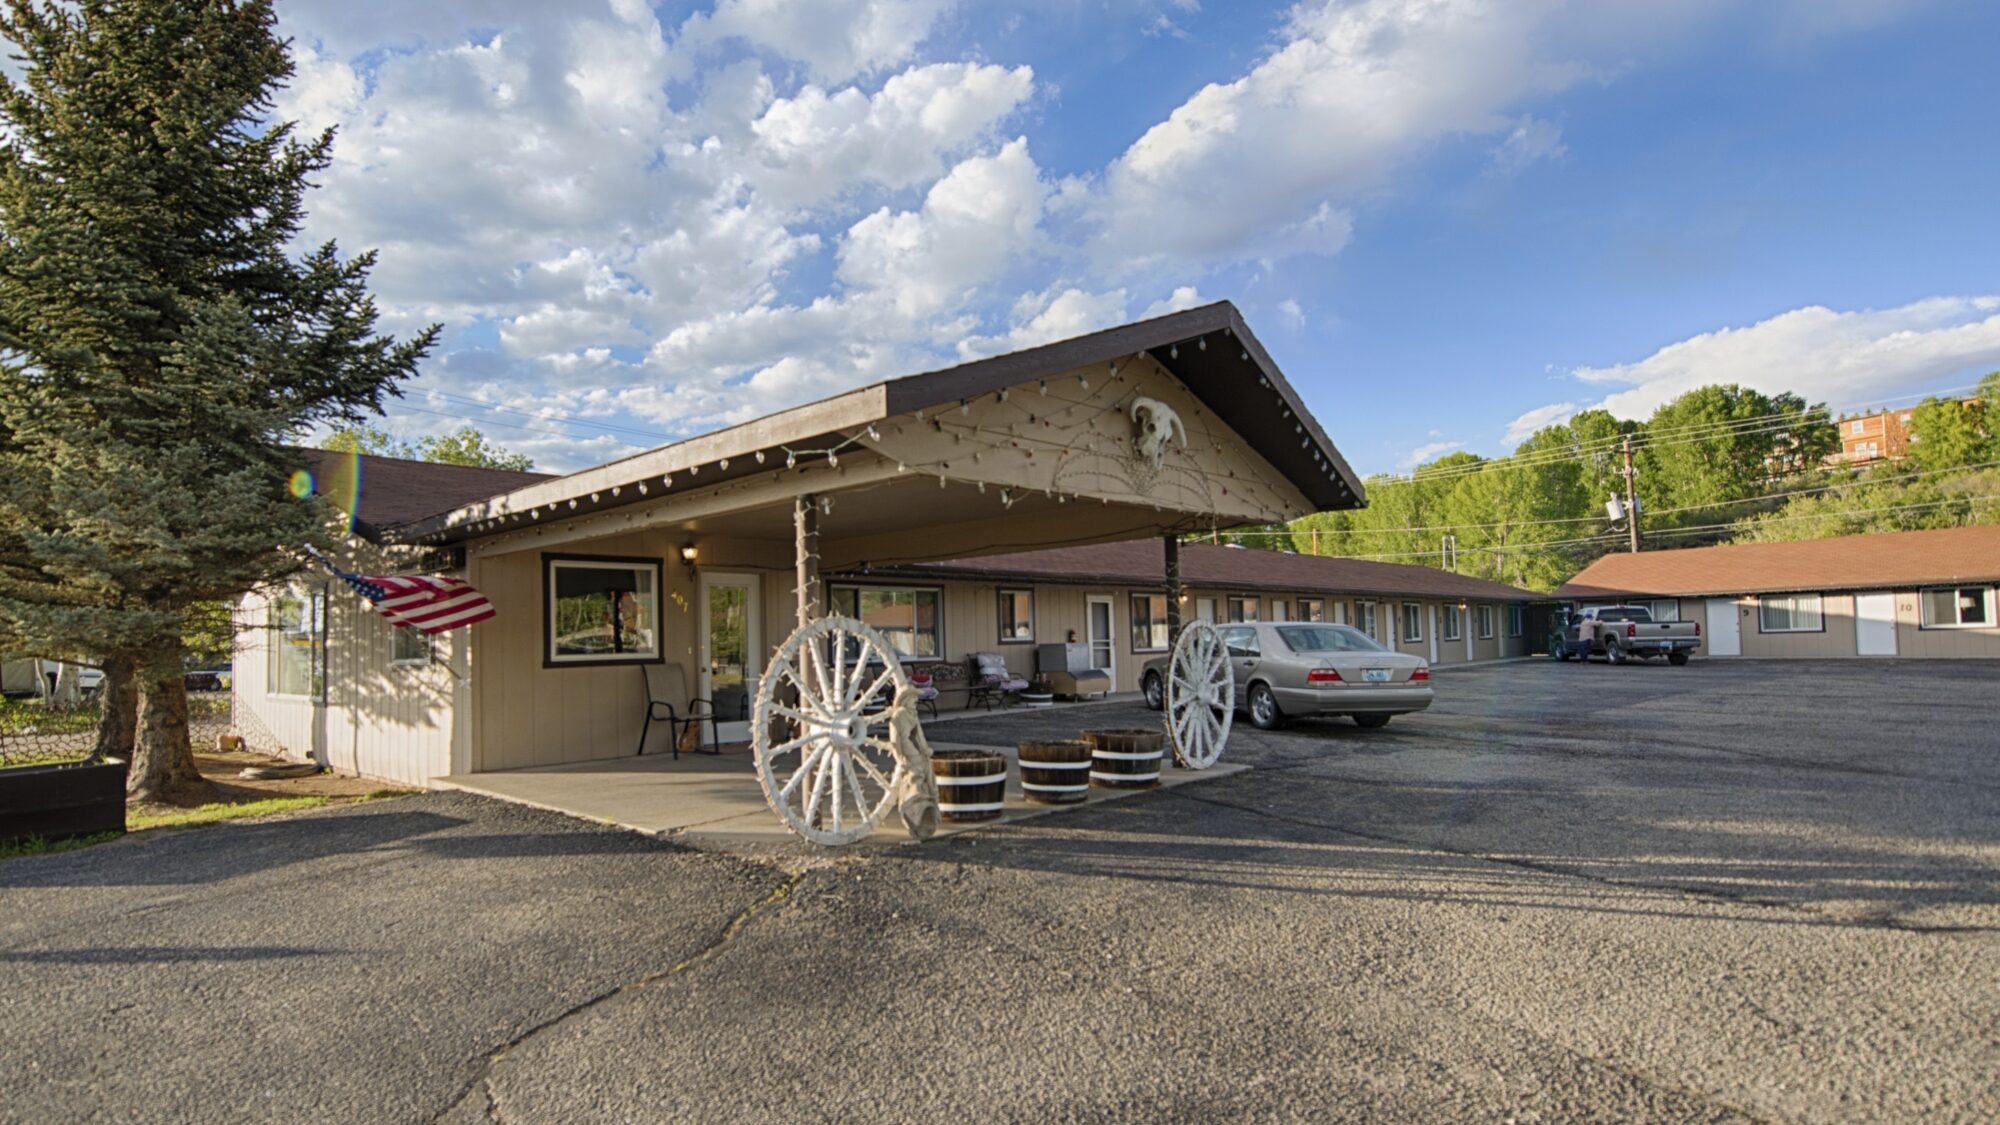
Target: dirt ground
column 220, row 769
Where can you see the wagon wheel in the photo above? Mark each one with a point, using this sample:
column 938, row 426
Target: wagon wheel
column 1201, row 696
column 826, row 762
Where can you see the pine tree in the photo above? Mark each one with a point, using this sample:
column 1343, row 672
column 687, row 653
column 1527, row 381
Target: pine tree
column 158, row 341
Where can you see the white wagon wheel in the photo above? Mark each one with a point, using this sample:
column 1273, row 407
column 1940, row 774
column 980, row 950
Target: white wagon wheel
column 821, row 733
column 1201, row 696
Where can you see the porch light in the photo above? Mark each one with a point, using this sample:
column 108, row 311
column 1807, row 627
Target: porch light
column 688, row 554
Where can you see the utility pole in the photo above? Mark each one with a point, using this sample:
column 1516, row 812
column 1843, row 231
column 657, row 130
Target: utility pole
column 1631, row 499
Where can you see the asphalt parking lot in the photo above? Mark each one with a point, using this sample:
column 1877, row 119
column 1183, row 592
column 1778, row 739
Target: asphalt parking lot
column 1751, row 891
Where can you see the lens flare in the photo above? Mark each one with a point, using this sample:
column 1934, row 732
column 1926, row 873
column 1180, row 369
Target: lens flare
column 302, row 484
column 339, row 480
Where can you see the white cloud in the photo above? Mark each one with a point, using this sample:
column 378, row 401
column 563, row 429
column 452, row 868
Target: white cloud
column 1040, row 318
column 1842, row 358
column 1183, row 297
column 1533, row 139
column 836, row 39
column 1293, row 314
column 1541, row 417
column 1427, row 452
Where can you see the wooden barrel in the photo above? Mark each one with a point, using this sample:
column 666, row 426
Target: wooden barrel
column 1125, row 759
column 972, row 784
column 1055, row 773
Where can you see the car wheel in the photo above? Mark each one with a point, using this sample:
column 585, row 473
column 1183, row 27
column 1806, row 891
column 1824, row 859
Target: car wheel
column 1264, row 708
column 1156, row 695
column 1370, row 722
column 1677, row 658
column 1613, row 654
column 1558, row 651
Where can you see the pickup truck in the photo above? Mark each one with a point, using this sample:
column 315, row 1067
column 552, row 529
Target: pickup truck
column 1620, row 632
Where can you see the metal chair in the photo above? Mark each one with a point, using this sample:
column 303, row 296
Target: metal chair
column 674, row 708
column 992, row 683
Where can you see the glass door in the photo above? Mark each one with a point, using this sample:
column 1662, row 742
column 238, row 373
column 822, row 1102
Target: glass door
column 1102, row 651
column 732, row 649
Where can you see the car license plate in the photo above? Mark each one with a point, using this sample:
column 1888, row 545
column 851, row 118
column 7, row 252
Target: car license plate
column 1375, row 675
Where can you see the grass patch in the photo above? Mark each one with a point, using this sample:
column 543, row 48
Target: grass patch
column 219, row 812
column 28, row 716
column 41, row 758
column 35, row 845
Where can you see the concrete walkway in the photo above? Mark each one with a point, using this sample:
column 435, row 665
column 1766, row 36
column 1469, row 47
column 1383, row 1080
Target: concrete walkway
column 715, row 802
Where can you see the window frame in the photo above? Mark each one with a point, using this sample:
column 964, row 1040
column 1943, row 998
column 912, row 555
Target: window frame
column 1819, row 604
column 1000, row 596
column 1517, row 619
column 1374, row 618
column 396, row 637
column 834, row 589
column 313, row 604
column 1452, row 626
column 1986, row 599
column 1236, row 604
column 1406, row 613
column 1314, row 616
column 1482, row 618
column 551, row 561
column 1133, row 618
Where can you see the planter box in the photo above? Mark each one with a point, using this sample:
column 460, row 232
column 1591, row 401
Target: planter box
column 58, row 802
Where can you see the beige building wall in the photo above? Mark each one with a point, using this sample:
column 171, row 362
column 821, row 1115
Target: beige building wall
column 1838, row 639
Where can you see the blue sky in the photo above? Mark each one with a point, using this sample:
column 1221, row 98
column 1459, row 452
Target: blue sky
column 1448, row 220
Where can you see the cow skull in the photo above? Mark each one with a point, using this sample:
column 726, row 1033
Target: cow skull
column 1156, row 423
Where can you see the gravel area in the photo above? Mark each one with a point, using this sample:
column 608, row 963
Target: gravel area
column 1732, row 891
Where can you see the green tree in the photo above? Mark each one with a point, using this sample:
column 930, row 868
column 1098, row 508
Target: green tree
column 1952, row 433
column 159, row 344
column 1722, row 443
column 463, row 446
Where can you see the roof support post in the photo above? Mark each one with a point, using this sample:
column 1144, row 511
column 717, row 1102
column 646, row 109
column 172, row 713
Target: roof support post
column 805, row 526
column 1171, row 545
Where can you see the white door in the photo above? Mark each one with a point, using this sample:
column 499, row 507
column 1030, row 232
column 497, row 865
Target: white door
column 1103, row 654
column 1465, row 619
column 1434, row 634
column 1725, row 631
column 1875, row 624
column 732, row 647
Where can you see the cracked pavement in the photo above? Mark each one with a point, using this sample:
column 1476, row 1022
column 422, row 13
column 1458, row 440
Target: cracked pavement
column 1745, row 891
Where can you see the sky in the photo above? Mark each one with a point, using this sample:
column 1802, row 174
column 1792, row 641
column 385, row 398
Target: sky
column 1450, row 222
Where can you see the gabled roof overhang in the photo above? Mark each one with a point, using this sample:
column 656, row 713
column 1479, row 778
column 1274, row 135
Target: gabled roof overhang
column 1209, row 349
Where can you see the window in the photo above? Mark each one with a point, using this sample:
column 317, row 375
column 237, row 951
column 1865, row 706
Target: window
column 1453, row 627
column 1789, row 613
column 1312, row 609
column 298, row 645
column 1413, row 621
column 1281, row 610
column 1328, row 638
column 1364, row 618
column 1149, row 622
column 1204, row 610
column 1017, row 617
column 409, row 646
column 1517, row 620
column 1241, row 642
column 600, row 610
column 907, row 616
column 1666, row 609
column 1485, row 622
column 1244, row 609
column 1856, row 426
column 1962, row 607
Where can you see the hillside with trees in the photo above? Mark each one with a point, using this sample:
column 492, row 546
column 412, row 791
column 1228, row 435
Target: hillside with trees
column 1720, row 463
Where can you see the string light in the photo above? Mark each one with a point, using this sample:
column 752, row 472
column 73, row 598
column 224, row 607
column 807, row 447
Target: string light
column 725, row 464
column 760, row 457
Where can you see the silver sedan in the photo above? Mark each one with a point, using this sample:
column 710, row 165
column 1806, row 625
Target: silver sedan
column 1286, row 670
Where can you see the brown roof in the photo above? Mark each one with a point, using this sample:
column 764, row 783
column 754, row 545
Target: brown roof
column 395, row 491
column 1896, row 559
column 1142, row 562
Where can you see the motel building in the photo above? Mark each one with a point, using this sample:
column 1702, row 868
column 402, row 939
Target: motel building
column 998, row 506
column 1908, row 594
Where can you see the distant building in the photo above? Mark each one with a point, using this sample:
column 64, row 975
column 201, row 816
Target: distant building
column 1866, row 439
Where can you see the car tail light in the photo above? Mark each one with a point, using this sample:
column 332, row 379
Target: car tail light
column 1421, row 675
column 1323, row 676
column 1697, row 628
column 1631, row 630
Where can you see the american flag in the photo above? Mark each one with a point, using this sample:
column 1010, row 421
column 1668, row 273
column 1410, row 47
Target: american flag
column 428, row 603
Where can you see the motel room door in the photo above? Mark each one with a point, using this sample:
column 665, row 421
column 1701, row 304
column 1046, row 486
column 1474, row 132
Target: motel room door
column 732, row 645
column 1875, row 624
column 1103, row 651
column 1725, row 630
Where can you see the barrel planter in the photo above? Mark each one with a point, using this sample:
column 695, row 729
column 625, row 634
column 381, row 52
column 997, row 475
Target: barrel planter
column 1055, row 773
column 1125, row 759
column 972, row 784
column 59, row 802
